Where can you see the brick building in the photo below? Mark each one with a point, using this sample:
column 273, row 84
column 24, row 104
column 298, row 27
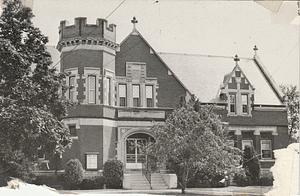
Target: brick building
column 121, row 89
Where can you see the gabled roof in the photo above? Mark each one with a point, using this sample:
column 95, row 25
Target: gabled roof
column 137, row 33
column 204, row 75
column 228, row 76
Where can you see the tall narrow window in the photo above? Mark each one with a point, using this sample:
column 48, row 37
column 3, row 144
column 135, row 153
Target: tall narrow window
column 245, row 104
column 232, row 103
column 92, row 89
column 72, row 88
column 149, row 95
column 266, row 149
column 122, row 95
column 136, row 95
column 108, row 91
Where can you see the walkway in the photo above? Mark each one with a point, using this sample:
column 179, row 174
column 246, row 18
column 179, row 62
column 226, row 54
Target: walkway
column 231, row 190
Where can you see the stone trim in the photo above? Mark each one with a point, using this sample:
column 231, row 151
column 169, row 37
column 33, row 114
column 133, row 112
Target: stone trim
column 257, row 129
column 90, row 121
column 124, row 133
column 95, row 72
column 87, row 43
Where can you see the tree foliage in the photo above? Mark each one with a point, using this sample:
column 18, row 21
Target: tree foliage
column 194, row 138
column 292, row 97
column 31, row 107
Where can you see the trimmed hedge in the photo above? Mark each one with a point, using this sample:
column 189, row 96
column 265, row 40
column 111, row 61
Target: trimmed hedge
column 266, row 181
column 113, row 174
column 73, row 174
column 92, row 183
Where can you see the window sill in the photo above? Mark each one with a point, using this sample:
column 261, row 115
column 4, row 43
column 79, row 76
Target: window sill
column 74, row 137
column 92, row 170
column 236, row 115
column 267, row 160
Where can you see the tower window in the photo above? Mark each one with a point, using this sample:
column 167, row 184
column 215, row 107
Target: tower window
column 149, row 95
column 92, row 89
column 232, row 103
column 72, row 88
column 245, row 104
column 136, row 95
column 122, row 95
column 108, row 91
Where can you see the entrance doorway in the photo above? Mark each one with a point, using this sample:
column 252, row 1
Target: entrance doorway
column 135, row 146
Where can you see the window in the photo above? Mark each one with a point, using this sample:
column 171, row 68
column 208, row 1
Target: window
column 149, row 95
column 108, row 91
column 232, row 103
column 246, row 143
column 91, row 161
column 92, row 89
column 266, row 149
column 136, row 95
column 72, row 88
column 245, row 104
column 72, row 129
column 122, row 95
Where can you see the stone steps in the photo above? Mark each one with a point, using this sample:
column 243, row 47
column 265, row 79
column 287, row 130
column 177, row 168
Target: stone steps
column 135, row 180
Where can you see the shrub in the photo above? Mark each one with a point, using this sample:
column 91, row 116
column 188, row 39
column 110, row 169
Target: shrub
column 251, row 165
column 92, row 183
column 53, row 180
column 266, row 181
column 113, row 173
column 241, row 179
column 73, row 174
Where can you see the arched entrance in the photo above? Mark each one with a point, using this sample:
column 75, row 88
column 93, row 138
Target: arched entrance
column 135, row 149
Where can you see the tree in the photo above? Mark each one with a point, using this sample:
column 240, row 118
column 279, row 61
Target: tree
column 251, row 164
column 194, row 138
column 31, row 106
column 292, row 97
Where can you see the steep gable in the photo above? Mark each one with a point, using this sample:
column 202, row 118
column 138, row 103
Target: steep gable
column 230, row 80
column 134, row 48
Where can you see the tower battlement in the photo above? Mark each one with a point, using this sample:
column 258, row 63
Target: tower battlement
column 80, row 32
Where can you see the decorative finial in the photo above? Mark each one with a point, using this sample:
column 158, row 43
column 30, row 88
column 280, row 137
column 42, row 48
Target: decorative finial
column 236, row 59
column 134, row 21
column 255, row 50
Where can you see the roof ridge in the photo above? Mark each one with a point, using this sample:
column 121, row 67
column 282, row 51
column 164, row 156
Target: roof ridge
column 204, row 55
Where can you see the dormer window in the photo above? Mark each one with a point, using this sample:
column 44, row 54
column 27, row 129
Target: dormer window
column 238, row 91
column 232, row 103
column 245, row 104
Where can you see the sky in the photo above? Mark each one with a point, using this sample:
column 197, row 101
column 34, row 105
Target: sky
column 199, row 27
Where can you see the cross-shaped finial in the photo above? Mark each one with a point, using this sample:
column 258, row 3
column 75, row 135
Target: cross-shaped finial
column 255, row 49
column 236, row 59
column 134, row 21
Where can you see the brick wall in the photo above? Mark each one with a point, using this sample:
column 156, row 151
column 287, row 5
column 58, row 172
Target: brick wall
column 134, row 49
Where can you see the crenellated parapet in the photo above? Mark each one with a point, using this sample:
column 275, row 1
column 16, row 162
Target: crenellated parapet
column 80, row 32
